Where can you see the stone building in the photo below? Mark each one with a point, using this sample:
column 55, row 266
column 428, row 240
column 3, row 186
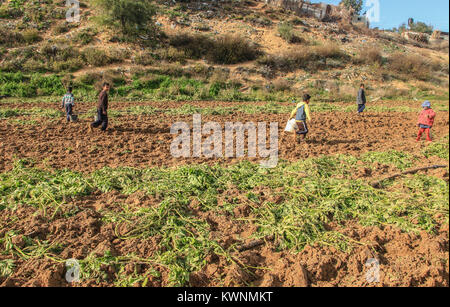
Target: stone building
column 320, row 11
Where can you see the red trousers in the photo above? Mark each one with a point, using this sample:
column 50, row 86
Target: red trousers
column 421, row 131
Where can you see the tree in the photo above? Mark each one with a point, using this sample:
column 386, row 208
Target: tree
column 421, row 27
column 357, row 5
column 132, row 17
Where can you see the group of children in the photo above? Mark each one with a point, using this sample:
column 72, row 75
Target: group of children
column 302, row 114
column 68, row 102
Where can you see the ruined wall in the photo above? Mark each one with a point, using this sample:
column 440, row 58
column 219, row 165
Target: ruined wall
column 418, row 37
column 321, row 11
column 361, row 20
column 439, row 35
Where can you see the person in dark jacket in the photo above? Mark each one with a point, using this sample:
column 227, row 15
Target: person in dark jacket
column 361, row 99
column 102, row 109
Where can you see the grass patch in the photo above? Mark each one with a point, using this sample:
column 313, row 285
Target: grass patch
column 396, row 158
column 439, row 149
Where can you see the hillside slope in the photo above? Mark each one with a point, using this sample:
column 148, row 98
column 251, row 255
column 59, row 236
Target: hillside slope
column 228, row 50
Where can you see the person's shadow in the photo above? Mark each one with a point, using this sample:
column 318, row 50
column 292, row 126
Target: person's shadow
column 148, row 130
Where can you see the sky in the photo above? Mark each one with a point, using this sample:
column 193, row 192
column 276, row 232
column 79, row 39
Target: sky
column 395, row 12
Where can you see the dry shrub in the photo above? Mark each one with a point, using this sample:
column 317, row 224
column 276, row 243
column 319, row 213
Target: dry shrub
column 172, row 69
column 275, row 62
column 118, row 54
column 95, row 57
column 89, row 78
column 113, row 77
column 199, row 70
column 281, row 85
column 144, row 58
column 327, row 51
column 411, row 65
column 219, row 76
column 441, row 46
column 172, row 55
column 392, row 37
column 10, row 38
column 347, row 89
column 195, row 46
column 371, row 55
column 392, row 92
column 309, row 58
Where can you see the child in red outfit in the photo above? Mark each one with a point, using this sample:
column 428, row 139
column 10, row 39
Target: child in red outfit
column 426, row 121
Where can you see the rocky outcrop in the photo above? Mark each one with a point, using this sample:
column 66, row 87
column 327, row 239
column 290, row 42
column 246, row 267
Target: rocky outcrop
column 416, row 36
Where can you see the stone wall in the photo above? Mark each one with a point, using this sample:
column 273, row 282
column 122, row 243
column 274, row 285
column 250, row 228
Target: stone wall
column 320, row 11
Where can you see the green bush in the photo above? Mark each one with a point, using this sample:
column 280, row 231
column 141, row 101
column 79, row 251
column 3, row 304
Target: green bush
column 33, row 65
column 47, row 85
column 357, row 5
column 20, row 85
column 95, row 57
column 286, row 31
column 31, row 36
column 89, row 78
column 10, row 12
column 232, row 49
column 132, row 17
column 10, row 38
column 85, row 36
column 227, row 49
column 172, row 54
column 421, row 27
column 70, row 65
column 61, row 29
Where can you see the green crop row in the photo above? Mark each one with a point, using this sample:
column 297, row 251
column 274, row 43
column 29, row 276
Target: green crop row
column 310, row 193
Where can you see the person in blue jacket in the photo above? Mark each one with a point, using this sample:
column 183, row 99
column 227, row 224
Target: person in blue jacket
column 302, row 114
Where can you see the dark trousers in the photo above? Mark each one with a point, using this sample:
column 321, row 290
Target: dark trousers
column 68, row 107
column 102, row 119
column 361, row 108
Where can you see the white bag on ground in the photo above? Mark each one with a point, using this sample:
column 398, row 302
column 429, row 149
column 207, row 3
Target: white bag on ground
column 290, row 127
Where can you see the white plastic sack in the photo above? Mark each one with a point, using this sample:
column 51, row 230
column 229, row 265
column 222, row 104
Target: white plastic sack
column 290, row 127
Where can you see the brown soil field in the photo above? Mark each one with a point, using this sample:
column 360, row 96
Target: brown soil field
column 144, row 141
column 406, row 259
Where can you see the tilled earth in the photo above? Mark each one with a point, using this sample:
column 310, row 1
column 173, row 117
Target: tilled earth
column 144, row 141
column 406, row 259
